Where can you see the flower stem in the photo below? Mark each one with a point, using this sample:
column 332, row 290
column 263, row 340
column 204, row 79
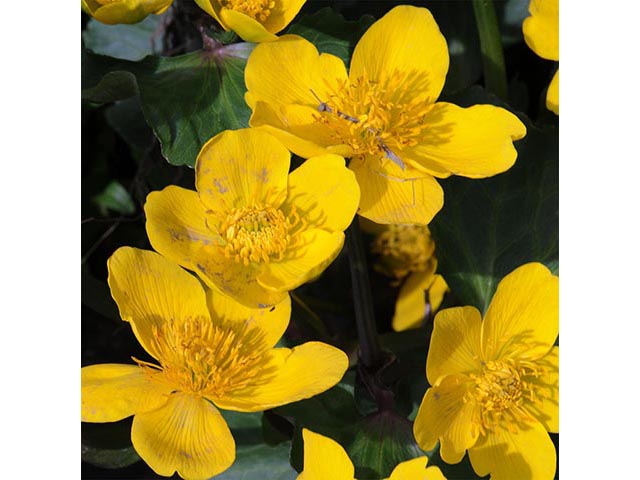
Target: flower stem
column 495, row 77
column 370, row 350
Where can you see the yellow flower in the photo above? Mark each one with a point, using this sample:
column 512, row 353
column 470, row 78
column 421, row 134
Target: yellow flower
column 382, row 114
column 124, row 11
column 211, row 353
column 253, row 20
column 325, row 459
column 406, row 253
column 541, row 34
column 495, row 381
column 252, row 230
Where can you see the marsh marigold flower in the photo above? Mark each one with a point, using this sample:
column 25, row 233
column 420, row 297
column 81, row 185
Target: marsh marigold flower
column 325, row 459
column 495, row 381
column 211, row 353
column 124, row 11
column 382, row 114
column 252, row 229
column 541, row 33
column 406, row 254
column 253, row 20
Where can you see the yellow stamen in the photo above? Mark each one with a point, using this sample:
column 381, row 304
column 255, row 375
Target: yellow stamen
column 258, row 233
column 501, row 391
column 403, row 249
column 199, row 357
column 257, row 9
column 378, row 119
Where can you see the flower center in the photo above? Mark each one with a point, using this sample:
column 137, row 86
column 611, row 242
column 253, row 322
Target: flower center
column 501, row 390
column 199, row 357
column 380, row 119
column 403, row 249
column 257, row 233
column 257, row 9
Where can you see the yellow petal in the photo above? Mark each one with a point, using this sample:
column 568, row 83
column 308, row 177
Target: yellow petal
column 524, row 454
column 177, row 226
column 455, row 343
column 282, row 13
column 187, row 435
column 296, row 127
column 273, row 320
column 522, row 318
column 553, row 94
column 129, row 11
column 541, row 29
column 414, row 469
column 286, row 71
column 90, row 6
column 437, row 291
column 324, row 192
column 237, row 280
column 473, row 142
column 405, row 40
column 387, row 199
column 545, row 405
column 315, row 252
column 301, row 372
column 324, row 459
column 111, row 392
column 207, row 6
column 444, row 415
column 239, row 168
column 411, row 306
column 150, row 290
column 247, row 28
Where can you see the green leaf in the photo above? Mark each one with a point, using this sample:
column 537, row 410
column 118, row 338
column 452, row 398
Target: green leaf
column 489, row 227
column 108, row 445
column 331, row 33
column 381, row 442
column 112, row 86
column 128, row 42
column 127, row 119
column 246, row 427
column 260, row 461
column 253, row 458
column 332, row 413
column 186, row 99
column 116, row 198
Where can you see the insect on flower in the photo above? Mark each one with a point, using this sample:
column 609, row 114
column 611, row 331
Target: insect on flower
column 324, row 107
column 381, row 113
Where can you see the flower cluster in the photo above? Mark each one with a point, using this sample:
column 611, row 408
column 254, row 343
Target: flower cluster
column 210, row 305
